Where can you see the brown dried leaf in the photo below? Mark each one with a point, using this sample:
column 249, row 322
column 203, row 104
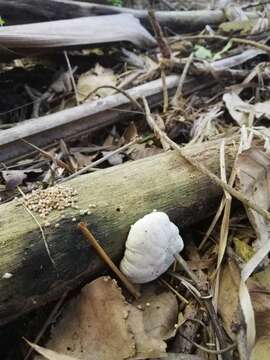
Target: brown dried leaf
column 228, row 299
column 93, row 79
column 95, row 323
column 160, row 311
column 253, row 171
column 101, row 323
column 259, row 286
column 49, row 354
column 141, row 151
column 244, row 113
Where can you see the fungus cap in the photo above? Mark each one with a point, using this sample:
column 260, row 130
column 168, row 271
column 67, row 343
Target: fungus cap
column 150, row 247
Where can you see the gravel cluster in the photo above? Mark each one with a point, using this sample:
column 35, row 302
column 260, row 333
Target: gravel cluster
column 54, row 198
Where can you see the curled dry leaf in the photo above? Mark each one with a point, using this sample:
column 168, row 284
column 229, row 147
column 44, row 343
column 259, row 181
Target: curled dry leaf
column 101, row 323
column 93, row 79
column 244, row 113
column 254, row 182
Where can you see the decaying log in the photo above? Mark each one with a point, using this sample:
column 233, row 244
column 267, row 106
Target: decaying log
column 122, row 194
column 32, row 39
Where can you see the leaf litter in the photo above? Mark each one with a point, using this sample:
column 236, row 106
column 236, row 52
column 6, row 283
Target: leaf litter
column 228, row 98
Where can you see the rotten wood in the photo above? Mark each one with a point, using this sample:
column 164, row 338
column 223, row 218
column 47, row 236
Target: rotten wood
column 121, row 194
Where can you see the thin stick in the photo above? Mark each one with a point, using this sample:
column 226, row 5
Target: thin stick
column 40, row 228
column 185, row 267
column 117, row 89
column 49, row 320
column 72, row 78
column 100, row 251
column 99, row 161
column 209, row 351
column 47, row 155
column 252, row 43
column 200, row 167
column 176, row 293
column 165, row 89
column 179, row 90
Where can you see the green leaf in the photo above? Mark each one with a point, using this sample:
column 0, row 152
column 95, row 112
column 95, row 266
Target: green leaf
column 203, row 53
column 2, row 21
column 226, row 48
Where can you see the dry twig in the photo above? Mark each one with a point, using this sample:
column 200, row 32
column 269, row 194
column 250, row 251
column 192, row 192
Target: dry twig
column 89, row 236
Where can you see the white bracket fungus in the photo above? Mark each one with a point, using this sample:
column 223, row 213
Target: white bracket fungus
column 150, row 247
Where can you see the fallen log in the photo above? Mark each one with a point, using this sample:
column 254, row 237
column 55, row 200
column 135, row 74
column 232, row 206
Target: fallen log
column 121, row 194
column 37, row 38
column 28, row 11
column 83, row 118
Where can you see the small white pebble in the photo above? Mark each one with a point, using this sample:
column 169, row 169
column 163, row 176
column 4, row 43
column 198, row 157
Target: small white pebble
column 73, row 219
column 47, row 224
column 57, row 225
column 147, row 304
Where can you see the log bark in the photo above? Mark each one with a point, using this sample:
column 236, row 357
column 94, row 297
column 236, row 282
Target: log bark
column 122, row 195
column 28, row 11
column 89, row 117
column 83, row 118
column 31, row 39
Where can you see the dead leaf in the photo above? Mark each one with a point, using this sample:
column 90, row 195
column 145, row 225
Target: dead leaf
column 95, row 323
column 228, row 299
column 244, row 113
column 130, row 133
column 141, row 151
column 254, row 182
column 259, row 287
column 188, row 328
column 160, row 311
column 93, row 79
column 13, row 178
column 115, row 159
column 101, row 323
column 50, row 354
column 261, row 349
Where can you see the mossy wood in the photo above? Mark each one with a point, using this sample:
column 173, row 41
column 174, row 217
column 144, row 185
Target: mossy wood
column 121, row 194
